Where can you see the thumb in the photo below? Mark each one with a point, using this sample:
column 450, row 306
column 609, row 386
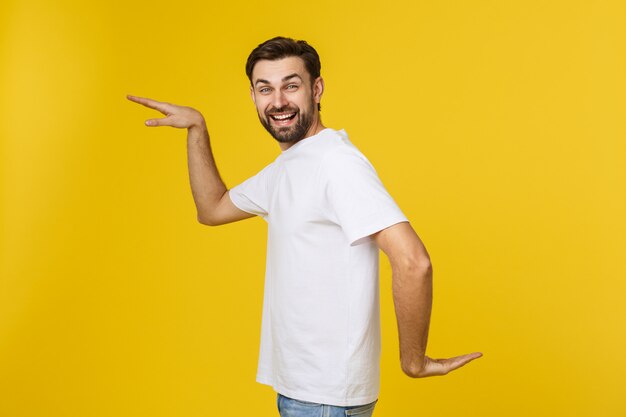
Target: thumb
column 156, row 122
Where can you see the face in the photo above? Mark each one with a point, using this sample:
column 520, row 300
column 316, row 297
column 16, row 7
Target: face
column 285, row 99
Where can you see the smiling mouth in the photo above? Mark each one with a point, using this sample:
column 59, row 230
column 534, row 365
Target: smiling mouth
column 283, row 116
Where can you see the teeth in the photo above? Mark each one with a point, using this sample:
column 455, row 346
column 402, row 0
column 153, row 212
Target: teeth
column 282, row 116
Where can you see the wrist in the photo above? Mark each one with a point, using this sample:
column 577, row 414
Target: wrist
column 198, row 131
column 198, row 124
column 412, row 368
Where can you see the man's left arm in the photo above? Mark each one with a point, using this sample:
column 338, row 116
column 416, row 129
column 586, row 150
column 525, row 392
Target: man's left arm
column 412, row 286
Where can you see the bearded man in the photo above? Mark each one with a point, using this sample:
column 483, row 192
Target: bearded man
column 328, row 215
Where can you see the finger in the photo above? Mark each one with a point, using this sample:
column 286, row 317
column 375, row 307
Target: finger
column 158, row 122
column 459, row 361
column 148, row 102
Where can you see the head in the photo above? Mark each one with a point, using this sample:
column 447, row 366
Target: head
column 286, row 87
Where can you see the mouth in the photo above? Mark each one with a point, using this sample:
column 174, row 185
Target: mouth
column 283, row 119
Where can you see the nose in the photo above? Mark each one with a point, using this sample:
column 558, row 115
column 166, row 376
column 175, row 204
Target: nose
column 279, row 100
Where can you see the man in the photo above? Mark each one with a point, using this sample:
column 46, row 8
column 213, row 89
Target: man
column 328, row 214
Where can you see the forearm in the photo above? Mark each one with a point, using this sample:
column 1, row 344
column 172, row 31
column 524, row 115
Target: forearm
column 207, row 186
column 412, row 296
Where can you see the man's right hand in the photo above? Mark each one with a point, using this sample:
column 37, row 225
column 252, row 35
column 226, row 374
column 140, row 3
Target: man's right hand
column 176, row 116
column 210, row 194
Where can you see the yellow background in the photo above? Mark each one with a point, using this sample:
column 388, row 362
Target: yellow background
column 498, row 126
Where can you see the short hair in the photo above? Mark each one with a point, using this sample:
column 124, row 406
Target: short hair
column 281, row 47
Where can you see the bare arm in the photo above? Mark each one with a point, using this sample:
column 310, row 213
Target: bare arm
column 412, row 295
column 210, row 194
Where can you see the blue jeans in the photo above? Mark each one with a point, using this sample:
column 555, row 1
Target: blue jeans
column 288, row 407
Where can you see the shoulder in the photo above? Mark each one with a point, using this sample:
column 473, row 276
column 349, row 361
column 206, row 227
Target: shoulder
column 344, row 157
column 345, row 167
column 338, row 148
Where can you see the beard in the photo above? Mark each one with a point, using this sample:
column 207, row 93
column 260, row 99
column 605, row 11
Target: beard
column 288, row 134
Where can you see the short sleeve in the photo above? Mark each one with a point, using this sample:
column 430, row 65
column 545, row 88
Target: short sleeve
column 252, row 195
column 356, row 197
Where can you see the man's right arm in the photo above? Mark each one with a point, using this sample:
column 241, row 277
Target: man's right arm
column 210, row 194
column 213, row 204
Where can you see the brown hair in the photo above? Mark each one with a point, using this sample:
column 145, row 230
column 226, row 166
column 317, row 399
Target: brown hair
column 281, row 47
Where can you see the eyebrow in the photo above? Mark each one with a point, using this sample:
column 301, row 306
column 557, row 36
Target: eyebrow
column 286, row 78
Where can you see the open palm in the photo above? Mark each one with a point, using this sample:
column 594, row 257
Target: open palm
column 175, row 116
column 437, row 367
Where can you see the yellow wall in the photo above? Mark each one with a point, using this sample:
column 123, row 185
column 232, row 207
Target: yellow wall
column 498, row 126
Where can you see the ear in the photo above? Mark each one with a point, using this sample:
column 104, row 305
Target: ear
column 252, row 96
column 318, row 89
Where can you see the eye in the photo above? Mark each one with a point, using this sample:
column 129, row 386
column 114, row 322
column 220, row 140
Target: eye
column 292, row 87
column 264, row 90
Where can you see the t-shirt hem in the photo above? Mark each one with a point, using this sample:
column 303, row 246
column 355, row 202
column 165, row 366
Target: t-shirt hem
column 314, row 398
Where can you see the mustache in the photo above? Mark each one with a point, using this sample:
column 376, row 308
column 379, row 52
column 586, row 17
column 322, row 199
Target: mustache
column 284, row 109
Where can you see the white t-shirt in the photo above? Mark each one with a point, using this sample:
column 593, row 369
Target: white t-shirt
column 320, row 332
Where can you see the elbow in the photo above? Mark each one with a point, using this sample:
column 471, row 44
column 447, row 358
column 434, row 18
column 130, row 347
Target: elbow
column 418, row 265
column 425, row 269
column 206, row 220
column 428, row 267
